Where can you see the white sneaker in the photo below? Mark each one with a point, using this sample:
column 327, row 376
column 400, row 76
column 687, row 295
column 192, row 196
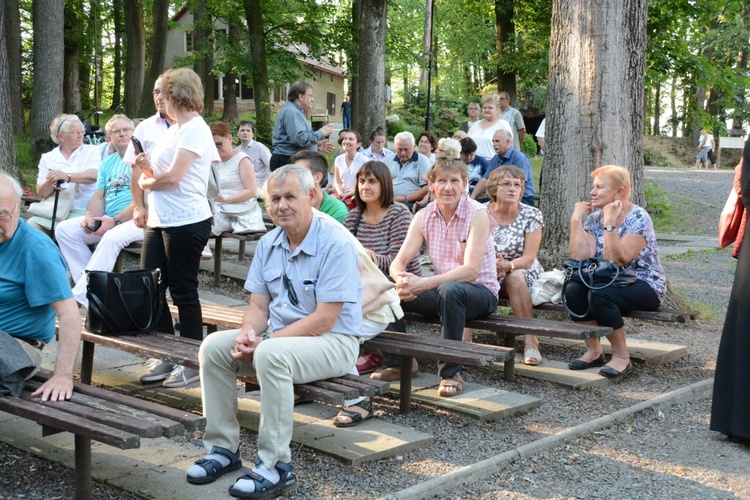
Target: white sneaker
column 206, row 253
column 157, row 370
column 181, row 377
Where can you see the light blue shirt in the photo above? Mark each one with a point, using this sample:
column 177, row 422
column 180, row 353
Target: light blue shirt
column 516, row 158
column 323, row 268
column 114, row 179
column 409, row 177
column 292, row 132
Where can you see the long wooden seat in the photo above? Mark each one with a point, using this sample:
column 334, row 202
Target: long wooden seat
column 661, row 314
column 100, row 415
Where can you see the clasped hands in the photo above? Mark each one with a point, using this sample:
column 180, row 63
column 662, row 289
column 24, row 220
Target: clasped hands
column 409, row 286
column 245, row 344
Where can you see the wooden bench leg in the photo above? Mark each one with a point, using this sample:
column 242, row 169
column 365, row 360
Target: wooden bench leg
column 87, row 362
column 83, row 468
column 509, row 369
column 217, row 262
column 118, row 264
column 405, row 396
column 242, row 250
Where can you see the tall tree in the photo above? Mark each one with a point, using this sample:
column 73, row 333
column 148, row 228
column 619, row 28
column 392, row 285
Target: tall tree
column 117, row 21
column 12, row 27
column 506, row 79
column 370, row 101
column 596, row 81
column 135, row 58
column 7, row 151
column 426, row 42
column 47, row 91
column 230, row 114
column 73, row 26
column 157, row 55
column 254, row 16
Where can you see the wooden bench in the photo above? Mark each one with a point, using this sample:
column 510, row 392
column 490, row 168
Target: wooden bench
column 100, row 415
column 184, row 351
column 661, row 314
column 401, row 344
column 506, row 328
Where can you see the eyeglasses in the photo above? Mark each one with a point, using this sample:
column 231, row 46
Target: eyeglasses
column 290, row 289
column 220, row 143
column 5, row 216
column 508, row 185
column 119, row 131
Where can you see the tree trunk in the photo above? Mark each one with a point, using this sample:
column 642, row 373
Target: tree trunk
column 12, row 27
column 657, row 109
column 47, row 89
column 371, row 70
column 506, row 81
column 7, row 150
column 594, row 105
column 71, row 89
column 353, row 66
column 426, row 42
column 158, row 55
column 263, row 125
column 674, row 121
column 230, row 84
column 647, row 110
column 117, row 54
column 135, row 58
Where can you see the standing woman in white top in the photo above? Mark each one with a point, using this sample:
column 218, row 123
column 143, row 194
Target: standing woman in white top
column 346, row 166
column 483, row 131
column 71, row 162
column 178, row 225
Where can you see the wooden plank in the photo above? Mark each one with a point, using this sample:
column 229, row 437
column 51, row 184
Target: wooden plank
column 661, row 314
column 329, row 385
column 190, row 421
column 365, row 385
column 440, row 349
column 50, row 415
column 316, row 393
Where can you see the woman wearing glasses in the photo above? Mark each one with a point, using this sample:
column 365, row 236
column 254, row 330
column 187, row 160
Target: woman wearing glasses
column 517, row 235
column 71, row 162
column 175, row 180
column 237, row 187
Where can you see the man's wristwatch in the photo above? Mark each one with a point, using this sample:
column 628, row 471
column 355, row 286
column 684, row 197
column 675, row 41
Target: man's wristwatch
column 609, row 228
column 117, row 221
column 265, row 336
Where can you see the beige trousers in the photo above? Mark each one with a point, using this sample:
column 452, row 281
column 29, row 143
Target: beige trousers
column 278, row 364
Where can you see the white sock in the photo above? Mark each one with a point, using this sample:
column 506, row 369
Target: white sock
column 248, row 485
column 196, row 470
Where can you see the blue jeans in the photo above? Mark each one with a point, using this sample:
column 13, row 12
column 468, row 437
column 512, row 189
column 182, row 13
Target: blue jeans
column 177, row 252
column 456, row 303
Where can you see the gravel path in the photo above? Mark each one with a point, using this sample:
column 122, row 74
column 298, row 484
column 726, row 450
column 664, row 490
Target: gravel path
column 667, row 453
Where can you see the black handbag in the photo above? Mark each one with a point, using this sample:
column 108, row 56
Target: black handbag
column 124, row 303
column 595, row 274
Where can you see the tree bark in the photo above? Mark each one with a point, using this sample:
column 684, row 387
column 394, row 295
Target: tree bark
column 254, row 16
column 12, row 27
column 371, row 70
column 506, row 81
column 135, row 58
column 230, row 84
column 674, row 121
column 657, row 109
column 47, row 88
column 71, row 87
column 594, row 105
column 7, row 150
column 158, row 55
column 353, row 64
column 426, row 42
column 117, row 54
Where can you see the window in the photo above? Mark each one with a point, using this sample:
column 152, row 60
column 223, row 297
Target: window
column 245, row 91
column 188, row 42
column 331, row 103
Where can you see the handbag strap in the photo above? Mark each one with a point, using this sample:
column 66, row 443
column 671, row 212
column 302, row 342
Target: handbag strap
column 565, row 302
column 112, row 323
column 356, row 224
column 590, row 283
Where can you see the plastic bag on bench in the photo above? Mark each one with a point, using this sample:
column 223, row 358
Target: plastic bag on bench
column 548, row 287
column 124, row 303
column 244, row 217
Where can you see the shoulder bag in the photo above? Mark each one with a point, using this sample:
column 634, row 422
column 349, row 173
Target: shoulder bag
column 595, row 274
column 124, row 303
column 46, row 207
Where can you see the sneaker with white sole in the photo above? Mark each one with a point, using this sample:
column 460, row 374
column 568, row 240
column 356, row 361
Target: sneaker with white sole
column 206, row 253
column 181, row 377
column 157, row 370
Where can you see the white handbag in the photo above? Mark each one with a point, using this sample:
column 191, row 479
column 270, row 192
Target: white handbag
column 244, row 217
column 548, row 287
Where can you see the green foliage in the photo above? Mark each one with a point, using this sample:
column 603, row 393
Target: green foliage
column 652, row 157
column 445, row 121
column 657, row 201
column 528, row 147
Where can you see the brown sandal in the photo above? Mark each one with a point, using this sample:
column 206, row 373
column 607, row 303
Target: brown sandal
column 451, row 386
column 393, row 374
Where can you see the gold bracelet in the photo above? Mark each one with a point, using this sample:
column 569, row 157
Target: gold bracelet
column 512, row 267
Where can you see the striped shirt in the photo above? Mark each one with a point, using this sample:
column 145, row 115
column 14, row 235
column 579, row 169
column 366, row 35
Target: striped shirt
column 443, row 241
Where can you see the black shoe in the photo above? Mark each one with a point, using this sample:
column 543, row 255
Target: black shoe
column 580, row 364
column 610, row 372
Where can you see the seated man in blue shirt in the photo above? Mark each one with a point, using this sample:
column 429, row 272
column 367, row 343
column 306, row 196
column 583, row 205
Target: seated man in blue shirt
column 302, row 325
column 408, row 169
column 502, row 141
column 34, row 289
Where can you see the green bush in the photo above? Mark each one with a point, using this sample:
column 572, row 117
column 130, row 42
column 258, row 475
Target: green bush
column 651, row 157
column 528, row 147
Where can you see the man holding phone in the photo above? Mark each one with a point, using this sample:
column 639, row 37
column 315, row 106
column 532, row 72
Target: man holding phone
column 108, row 222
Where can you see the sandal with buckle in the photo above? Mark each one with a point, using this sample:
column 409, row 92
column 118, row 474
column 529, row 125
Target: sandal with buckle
column 263, row 488
column 369, row 363
column 349, row 418
column 532, row 357
column 451, row 386
column 213, row 468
